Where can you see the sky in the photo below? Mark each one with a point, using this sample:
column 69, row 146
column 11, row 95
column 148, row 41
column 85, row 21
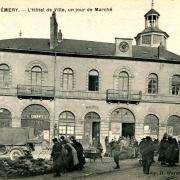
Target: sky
column 125, row 20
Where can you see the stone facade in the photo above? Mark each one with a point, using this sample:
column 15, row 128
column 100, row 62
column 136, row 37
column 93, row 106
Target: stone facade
column 76, row 110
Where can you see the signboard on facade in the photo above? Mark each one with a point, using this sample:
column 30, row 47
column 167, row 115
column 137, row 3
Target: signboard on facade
column 146, row 129
column 115, row 128
column 46, row 135
column 79, row 137
column 170, row 130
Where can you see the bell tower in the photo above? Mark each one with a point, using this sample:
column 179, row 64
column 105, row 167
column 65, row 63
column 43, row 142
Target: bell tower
column 152, row 35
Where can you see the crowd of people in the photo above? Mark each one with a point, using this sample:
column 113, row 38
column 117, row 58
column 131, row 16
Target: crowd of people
column 67, row 155
column 168, row 151
column 126, row 144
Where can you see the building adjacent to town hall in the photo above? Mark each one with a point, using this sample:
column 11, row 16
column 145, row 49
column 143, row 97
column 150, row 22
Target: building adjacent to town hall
column 91, row 89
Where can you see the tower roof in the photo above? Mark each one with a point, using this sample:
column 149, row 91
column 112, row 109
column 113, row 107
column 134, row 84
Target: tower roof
column 152, row 29
column 151, row 11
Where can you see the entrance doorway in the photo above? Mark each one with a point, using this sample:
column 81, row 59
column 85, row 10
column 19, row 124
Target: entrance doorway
column 122, row 123
column 92, row 126
column 95, row 130
column 128, row 129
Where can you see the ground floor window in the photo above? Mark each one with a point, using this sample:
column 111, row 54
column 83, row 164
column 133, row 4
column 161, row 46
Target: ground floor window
column 66, row 130
column 5, row 118
column 36, row 117
column 66, row 124
column 173, row 125
column 151, row 126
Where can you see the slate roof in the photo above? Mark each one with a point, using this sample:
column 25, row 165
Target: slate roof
column 86, row 47
column 152, row 29
column 151, row 11
column 80, row 47
column 25, row 44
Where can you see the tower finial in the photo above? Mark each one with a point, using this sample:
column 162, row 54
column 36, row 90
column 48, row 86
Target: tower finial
column 152, row 5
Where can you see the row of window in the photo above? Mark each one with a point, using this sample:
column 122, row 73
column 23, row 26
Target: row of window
column 122, row 80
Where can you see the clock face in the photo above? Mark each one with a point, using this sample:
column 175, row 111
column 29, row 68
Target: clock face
column 123, row 46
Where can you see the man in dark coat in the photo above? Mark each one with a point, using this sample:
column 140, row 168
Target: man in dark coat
column 172, row 156
column 163, row 150
column 57, row 156
column 79, row 148
column 176, row 152
column 170, row 151
column 62, row 140
column 116, row 148
column 147, row 151
column 69, row 158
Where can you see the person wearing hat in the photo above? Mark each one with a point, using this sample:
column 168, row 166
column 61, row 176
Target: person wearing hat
column 79, row 148
column 163, row 150
column 58, row 157
column 116, row 153
column 147, row 151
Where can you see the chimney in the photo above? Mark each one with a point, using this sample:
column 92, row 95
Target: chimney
column 53, row 31
column 59, row 36
column 161, row 51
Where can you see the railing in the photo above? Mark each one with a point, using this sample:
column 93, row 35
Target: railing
column 48, row 92
column 33, row 91
column 113, row 95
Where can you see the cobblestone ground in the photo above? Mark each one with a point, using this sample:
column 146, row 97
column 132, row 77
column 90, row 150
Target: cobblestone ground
column 130, row 170
column 157, row 173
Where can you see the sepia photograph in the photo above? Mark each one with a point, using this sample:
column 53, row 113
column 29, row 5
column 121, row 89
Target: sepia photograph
column 90, row 89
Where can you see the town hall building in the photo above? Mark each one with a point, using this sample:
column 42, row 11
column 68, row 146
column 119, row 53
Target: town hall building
column 91, row 89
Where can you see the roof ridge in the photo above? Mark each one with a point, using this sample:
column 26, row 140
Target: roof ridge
column 89, row 41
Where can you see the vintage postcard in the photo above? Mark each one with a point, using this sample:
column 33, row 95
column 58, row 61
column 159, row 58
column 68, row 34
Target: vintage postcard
column 89, row 89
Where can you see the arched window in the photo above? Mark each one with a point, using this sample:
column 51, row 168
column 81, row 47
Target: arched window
column 173, row 125
column 68, row 78
column 151, row 125
column 36, row 117
column 175, row 85
column 66, row 123
column 4, row 75
column 93, row 84
column 5, row 118
column 36, row 76
column 152, row 84
column 123, row 81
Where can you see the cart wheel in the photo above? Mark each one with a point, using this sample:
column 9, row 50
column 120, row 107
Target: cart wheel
column 15, row 153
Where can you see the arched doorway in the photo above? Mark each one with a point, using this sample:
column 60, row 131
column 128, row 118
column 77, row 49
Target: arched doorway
column 173, row 126
column 122, row 123
column 92, row 125
column 5, row 118
column 151, row 126
column 36, row 117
